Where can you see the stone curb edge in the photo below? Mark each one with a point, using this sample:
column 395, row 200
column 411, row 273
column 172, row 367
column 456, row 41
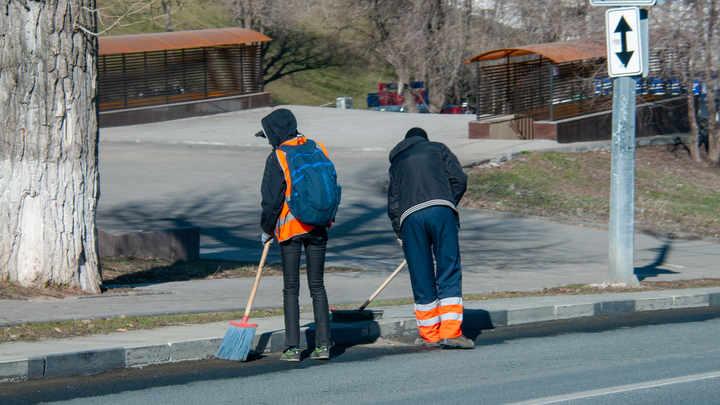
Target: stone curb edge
column 98, row 361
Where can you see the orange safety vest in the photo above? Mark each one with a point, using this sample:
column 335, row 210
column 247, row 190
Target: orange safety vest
column 287, row 226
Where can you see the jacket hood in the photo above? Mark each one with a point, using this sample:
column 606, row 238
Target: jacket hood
column 279, row 126
column 405, row 145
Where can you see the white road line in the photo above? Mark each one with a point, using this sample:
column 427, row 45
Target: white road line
column 621, row 388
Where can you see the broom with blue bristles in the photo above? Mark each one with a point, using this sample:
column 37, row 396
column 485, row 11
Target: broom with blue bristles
column 239, row 336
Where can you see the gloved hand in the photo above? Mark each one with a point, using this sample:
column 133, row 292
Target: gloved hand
column 400, row 242
column 265, row 238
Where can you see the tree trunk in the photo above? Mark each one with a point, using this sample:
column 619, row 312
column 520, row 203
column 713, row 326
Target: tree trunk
column 49, row 184
column 692, row 119
column 713, row 124
column 167, row 9
column 711, row 81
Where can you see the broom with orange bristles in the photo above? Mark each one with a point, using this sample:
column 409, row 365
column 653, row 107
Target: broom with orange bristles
column 239, row 336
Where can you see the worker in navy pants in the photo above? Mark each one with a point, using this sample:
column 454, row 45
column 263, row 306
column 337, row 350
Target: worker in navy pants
column 426, row 184
column 427, row 233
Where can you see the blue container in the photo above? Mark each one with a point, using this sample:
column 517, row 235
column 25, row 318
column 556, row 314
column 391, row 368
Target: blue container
column 373, row 100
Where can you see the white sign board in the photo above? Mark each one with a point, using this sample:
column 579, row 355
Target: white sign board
column 624, row 45
column 621, row 3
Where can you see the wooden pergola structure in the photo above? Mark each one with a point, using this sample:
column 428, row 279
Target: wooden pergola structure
column 145, row 71
column 554, row 82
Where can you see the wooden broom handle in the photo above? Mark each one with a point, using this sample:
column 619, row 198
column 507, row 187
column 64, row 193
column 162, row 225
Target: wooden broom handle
column 389, row 279
column 257, row 278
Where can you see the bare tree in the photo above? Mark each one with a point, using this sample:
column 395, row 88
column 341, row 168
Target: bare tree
column 49, row 184
column 251, row 14
column 424, row 40
column 547, row 21
column 711, row 56
column 690, row 29
column 296, row 46
column 139, row 14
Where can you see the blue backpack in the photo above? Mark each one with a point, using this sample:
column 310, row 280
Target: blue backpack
column 315, row 193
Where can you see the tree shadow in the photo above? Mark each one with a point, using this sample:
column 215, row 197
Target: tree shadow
column 180, row 270
column 653, row 270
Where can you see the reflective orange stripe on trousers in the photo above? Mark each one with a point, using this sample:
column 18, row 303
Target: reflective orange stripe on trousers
column 451, row 317
column 428, row 320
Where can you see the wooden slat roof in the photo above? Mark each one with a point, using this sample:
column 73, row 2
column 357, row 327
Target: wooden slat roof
column 557, row 52
column 119, row 44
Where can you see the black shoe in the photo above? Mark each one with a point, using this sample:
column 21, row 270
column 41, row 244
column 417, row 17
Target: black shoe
column 460, row 342
column 424, row 343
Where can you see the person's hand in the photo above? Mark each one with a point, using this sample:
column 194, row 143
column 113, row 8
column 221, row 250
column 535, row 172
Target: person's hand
column 265, row 238
column 400, row 242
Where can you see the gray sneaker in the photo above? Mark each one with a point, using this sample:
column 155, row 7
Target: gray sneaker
column 320, row 353
column 291, row 354
column 424, row 343
column 460, row 342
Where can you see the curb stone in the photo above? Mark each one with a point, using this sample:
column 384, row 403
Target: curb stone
column 98, row 361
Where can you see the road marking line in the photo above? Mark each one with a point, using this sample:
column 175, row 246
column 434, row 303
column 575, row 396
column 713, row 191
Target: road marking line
column 621, row 388
column 671, row 265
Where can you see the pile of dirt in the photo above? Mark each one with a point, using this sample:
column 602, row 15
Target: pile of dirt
column 12, row 291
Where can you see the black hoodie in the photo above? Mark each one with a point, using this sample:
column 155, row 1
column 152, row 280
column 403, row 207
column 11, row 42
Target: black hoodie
column 422, row 174
column 278, row 126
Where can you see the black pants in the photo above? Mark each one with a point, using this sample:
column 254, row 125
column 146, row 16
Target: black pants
column 315, row 243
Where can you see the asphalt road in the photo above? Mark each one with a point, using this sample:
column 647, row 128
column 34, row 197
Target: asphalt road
column 660, row 357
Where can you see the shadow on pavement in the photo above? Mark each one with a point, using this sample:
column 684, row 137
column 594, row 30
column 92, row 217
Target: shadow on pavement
column 653, row 270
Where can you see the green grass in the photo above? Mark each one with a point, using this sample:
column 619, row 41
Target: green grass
column 670, row 195
column 194, row 15
column 61, row 330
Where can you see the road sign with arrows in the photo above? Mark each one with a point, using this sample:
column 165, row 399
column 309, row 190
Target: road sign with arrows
column 624, row 45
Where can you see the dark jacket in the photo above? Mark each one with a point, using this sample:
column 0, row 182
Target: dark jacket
column 422, row 174
column 278, row 126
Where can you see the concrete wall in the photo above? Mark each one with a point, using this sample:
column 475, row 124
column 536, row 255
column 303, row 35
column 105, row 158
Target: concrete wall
column 166, row 112
column 172, row 244
column 666, row 117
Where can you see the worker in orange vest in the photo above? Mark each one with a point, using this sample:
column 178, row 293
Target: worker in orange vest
column 280, row 129
column 426, row 185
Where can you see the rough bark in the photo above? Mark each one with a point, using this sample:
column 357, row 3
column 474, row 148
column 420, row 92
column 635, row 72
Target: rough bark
column 713, row 124
column 711, row 79
column 49, row 183
column 694, row 129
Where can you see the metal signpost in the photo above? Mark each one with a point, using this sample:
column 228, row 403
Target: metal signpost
column 626, row 59
column 621, row 3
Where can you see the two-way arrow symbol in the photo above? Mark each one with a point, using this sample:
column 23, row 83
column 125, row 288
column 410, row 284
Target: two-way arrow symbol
column 623, row 28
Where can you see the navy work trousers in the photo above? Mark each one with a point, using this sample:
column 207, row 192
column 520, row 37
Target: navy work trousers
column 426, row 233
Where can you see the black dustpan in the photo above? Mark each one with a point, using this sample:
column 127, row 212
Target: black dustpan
column 361, row 314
